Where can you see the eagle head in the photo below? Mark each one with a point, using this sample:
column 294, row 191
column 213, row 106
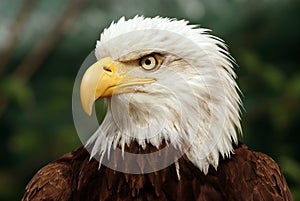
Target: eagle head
column 164, row 81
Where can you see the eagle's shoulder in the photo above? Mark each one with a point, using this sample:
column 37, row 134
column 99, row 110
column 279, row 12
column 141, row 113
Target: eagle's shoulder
column 54, row 181
column 255, row 176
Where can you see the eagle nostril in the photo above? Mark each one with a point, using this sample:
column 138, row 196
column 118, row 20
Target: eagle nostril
column 107, row 69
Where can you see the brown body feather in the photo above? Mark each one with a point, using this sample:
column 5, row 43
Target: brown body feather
column 247, row 175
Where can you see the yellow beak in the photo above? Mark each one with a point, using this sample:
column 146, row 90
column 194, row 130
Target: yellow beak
column 106, row 78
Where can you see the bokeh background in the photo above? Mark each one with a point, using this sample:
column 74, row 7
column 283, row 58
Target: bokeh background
column 43, row 43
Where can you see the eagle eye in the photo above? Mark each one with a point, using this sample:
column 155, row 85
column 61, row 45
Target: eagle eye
column 149, row 62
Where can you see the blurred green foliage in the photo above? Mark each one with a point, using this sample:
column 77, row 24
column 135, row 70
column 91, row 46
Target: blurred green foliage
column 36, row 125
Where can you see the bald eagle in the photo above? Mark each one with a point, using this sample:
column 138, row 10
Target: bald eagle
column 170, row 131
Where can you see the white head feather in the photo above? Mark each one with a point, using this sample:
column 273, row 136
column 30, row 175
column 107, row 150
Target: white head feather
column 194, row 100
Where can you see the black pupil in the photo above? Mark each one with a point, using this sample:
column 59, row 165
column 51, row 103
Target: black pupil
column 148, row 62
